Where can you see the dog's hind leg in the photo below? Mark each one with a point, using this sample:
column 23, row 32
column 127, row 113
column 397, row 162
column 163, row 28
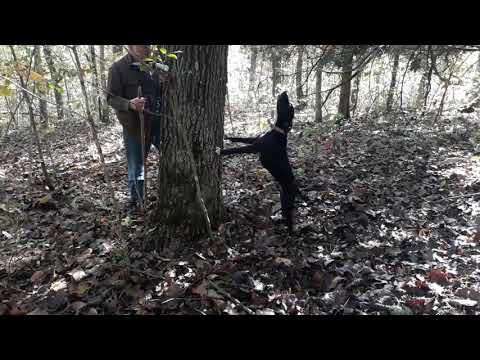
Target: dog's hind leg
column 287, row 200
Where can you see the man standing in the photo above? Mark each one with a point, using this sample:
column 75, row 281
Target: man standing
column 124, row 78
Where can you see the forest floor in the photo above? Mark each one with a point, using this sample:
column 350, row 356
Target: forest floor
column 387, row 225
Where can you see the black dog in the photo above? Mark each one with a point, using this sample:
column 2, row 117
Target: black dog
column 273, row 155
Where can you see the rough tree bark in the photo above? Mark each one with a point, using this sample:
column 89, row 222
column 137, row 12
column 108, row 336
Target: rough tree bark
column 344, row 103
column 192, row 105
column 298, row 74
column 56, row 77
column 318, row 94
column 393, row 82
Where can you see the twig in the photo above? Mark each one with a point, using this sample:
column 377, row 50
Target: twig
column 237, row 302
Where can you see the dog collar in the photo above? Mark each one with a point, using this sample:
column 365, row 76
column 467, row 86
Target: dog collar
column 277, row 129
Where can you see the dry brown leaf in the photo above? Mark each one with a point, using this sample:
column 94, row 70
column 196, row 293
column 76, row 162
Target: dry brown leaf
column 38, row 277
column 201, row 289
column 439, row 276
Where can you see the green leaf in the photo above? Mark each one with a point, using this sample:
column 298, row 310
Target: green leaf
column 44, row 200
column 162, row 51
column 59, row 89
column 5, row 91
column 173, row 56
column 148, row 59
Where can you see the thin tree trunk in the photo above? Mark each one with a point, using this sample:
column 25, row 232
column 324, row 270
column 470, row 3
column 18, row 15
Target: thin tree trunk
column 87, row 104
column 252, row 72
column 13, row 115
column 276, row 76
column 69, row 100
column 56, row 77
column 355, row 94
column 43, row 104
column 192, row 127
column 393, row 82
column 298, row 75
column 428, row 87
column 318, row 94
column 96, row 85
column 103, row 80
column 344, row 103
column 35, row 137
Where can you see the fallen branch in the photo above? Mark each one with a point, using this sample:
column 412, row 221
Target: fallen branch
column 237, row 302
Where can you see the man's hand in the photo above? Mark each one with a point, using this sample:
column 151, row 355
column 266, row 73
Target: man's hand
column 217, row 150
column 137, row 104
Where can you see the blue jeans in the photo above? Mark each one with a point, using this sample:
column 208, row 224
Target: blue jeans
column 135, row 164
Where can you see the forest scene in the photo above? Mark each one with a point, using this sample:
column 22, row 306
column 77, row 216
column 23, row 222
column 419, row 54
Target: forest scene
column 239, row 179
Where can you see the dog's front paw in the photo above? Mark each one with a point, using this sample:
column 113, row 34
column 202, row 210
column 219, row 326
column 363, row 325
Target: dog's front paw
column 218, row 150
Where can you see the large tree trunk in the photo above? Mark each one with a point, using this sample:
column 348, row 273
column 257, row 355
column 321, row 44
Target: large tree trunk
column 56, row 77
column 393, row 82
column 318, row 94
column 193, row 106
column 252, row 72
column 344, row 103
column 298, row 75
column 43, row 104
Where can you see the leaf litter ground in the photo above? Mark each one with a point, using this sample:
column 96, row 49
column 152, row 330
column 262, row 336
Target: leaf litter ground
column 387, row 224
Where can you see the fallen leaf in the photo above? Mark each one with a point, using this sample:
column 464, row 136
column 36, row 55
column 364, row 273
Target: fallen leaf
column 38, row 277
column 77, row 306
column 77, row 274
column 467, row 293
column 81, row 289
column 416, row 304
column 201, row 289
column 58, row 285
column 284, row 261
column 7, row 234
column 92, row 311
column 438, row 276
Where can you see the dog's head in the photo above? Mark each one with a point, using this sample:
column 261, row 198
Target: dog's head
column 285, row 112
